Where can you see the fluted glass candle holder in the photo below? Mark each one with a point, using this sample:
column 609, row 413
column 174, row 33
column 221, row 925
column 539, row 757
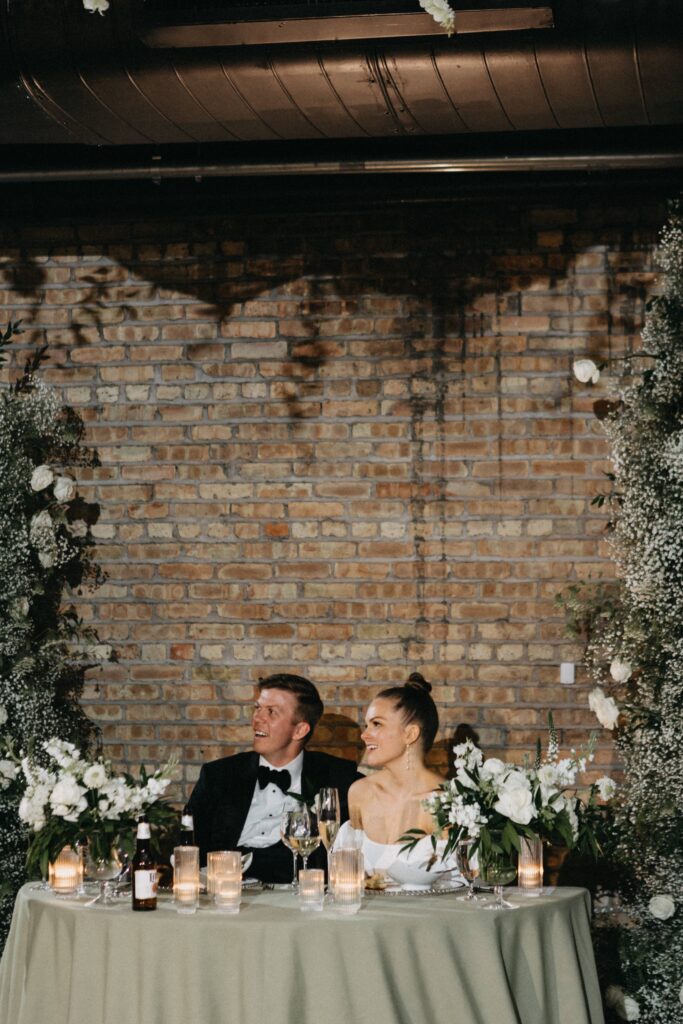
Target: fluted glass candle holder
column 347, row 874
column 186, row 878
column 227, row 881
column 217, row 863
column 530, row 866
column 311, row 889
column 64, row 874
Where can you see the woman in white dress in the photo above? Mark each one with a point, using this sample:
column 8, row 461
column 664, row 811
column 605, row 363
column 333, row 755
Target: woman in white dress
column 400, row 726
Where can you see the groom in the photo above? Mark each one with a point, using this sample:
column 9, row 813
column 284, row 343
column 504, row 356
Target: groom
column 238, row 801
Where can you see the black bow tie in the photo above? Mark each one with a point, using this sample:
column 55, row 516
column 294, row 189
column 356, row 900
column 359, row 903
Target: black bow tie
column 266, row 775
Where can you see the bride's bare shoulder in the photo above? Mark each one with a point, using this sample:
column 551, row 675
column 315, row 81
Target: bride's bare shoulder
column 362, row 788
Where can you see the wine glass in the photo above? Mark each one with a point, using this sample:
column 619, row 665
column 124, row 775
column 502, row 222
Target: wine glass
column 308, row 834
column 498, row 871
column 468, row 866
column 287, row 827
column 327, row 808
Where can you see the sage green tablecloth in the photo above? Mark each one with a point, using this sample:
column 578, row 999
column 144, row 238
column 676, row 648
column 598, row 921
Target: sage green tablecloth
column 400, row 960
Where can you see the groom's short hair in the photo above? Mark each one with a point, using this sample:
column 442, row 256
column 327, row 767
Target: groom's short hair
column 309, row 705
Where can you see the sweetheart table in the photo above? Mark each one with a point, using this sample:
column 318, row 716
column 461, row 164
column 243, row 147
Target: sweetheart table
column 400, row 960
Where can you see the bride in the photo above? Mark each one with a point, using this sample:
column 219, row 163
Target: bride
column 400, row 726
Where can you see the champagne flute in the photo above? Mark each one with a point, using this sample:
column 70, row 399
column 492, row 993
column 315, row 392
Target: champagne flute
column 327, row 807
column 468, row 866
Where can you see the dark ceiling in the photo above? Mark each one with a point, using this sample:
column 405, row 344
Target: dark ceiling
column 200, row 88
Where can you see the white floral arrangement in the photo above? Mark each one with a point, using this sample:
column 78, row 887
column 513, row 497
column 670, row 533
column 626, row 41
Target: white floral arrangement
column 497, row 802
column 73, row 798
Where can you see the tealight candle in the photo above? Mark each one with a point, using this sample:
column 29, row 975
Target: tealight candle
column 311, row 889
column 65, row 872
column 186, row 878
column 530, row 866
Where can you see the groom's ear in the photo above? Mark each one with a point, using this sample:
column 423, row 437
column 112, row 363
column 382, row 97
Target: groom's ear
column 301, row 730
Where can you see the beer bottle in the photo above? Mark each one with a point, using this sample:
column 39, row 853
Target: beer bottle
column 186, row 829
column 144, row 872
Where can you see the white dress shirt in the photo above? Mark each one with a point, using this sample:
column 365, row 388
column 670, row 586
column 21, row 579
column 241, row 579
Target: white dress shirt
column 262, row 824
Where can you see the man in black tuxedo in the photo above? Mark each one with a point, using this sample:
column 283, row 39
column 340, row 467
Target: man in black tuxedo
column 238, row 801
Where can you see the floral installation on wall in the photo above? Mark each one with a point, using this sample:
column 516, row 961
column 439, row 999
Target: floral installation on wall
column 46, row 549
column 635, row 655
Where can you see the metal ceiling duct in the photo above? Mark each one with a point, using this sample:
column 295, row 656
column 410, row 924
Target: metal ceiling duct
column 113, row 80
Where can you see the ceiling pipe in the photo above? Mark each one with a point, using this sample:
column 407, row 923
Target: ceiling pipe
column 426, row 165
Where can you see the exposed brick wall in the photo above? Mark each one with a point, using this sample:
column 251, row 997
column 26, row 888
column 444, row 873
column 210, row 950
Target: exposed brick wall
column 345, row 445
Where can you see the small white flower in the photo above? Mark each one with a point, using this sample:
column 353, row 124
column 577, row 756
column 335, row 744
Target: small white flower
column 585, row 370
column 606, row 787
column 604, row 708
column 41, row 478
column 441, row 12
column 662, row 907
column 620, row 670
column 64, row 489
column 96, row 5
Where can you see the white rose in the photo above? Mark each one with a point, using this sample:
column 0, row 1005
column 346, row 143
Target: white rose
column 95, row 776
column 102, row 652
column 662, row 907
column 492, row 768
column 514, row 799
column 620, row 670
column 606, row 787
column 625, row 1006
column 79, row 528
column 465, row 779
column 603, row 707
column 3, row 714
column 64, row 489
column 8, row 770
column 20, row 607
column 41, row 478
column 96, row 5
column 585, row 370
column 67, row 797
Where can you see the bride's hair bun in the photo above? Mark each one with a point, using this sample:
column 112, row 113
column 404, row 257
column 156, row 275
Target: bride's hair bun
column 418, row 682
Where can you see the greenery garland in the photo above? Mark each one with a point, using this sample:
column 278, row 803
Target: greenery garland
column 45, row 553
column 635, row 649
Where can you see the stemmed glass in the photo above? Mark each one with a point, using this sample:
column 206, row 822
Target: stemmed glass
column 468, row 866
column 327, row 809
column 299, row 831
column 498, row 872
column 287, row 824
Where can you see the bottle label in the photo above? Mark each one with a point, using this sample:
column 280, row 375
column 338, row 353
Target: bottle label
column 143, row 830
column 145, row 884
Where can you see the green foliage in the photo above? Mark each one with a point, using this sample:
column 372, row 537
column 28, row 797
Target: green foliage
column 45, row 555
column 639, row 621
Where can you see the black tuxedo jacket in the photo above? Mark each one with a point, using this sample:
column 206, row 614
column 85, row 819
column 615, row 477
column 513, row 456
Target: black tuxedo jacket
column 222, row 796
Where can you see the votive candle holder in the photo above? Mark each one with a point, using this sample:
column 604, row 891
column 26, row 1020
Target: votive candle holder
column 186, row 878
column 311, row 889
column 347, row 874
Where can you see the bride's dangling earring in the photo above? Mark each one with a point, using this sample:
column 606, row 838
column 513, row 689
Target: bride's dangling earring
column 409, row 757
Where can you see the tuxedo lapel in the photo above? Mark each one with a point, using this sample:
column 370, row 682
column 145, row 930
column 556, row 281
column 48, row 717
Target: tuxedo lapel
column 238, row 794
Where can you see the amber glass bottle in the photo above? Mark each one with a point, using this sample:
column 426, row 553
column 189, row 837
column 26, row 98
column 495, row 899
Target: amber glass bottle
column 144, row 873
